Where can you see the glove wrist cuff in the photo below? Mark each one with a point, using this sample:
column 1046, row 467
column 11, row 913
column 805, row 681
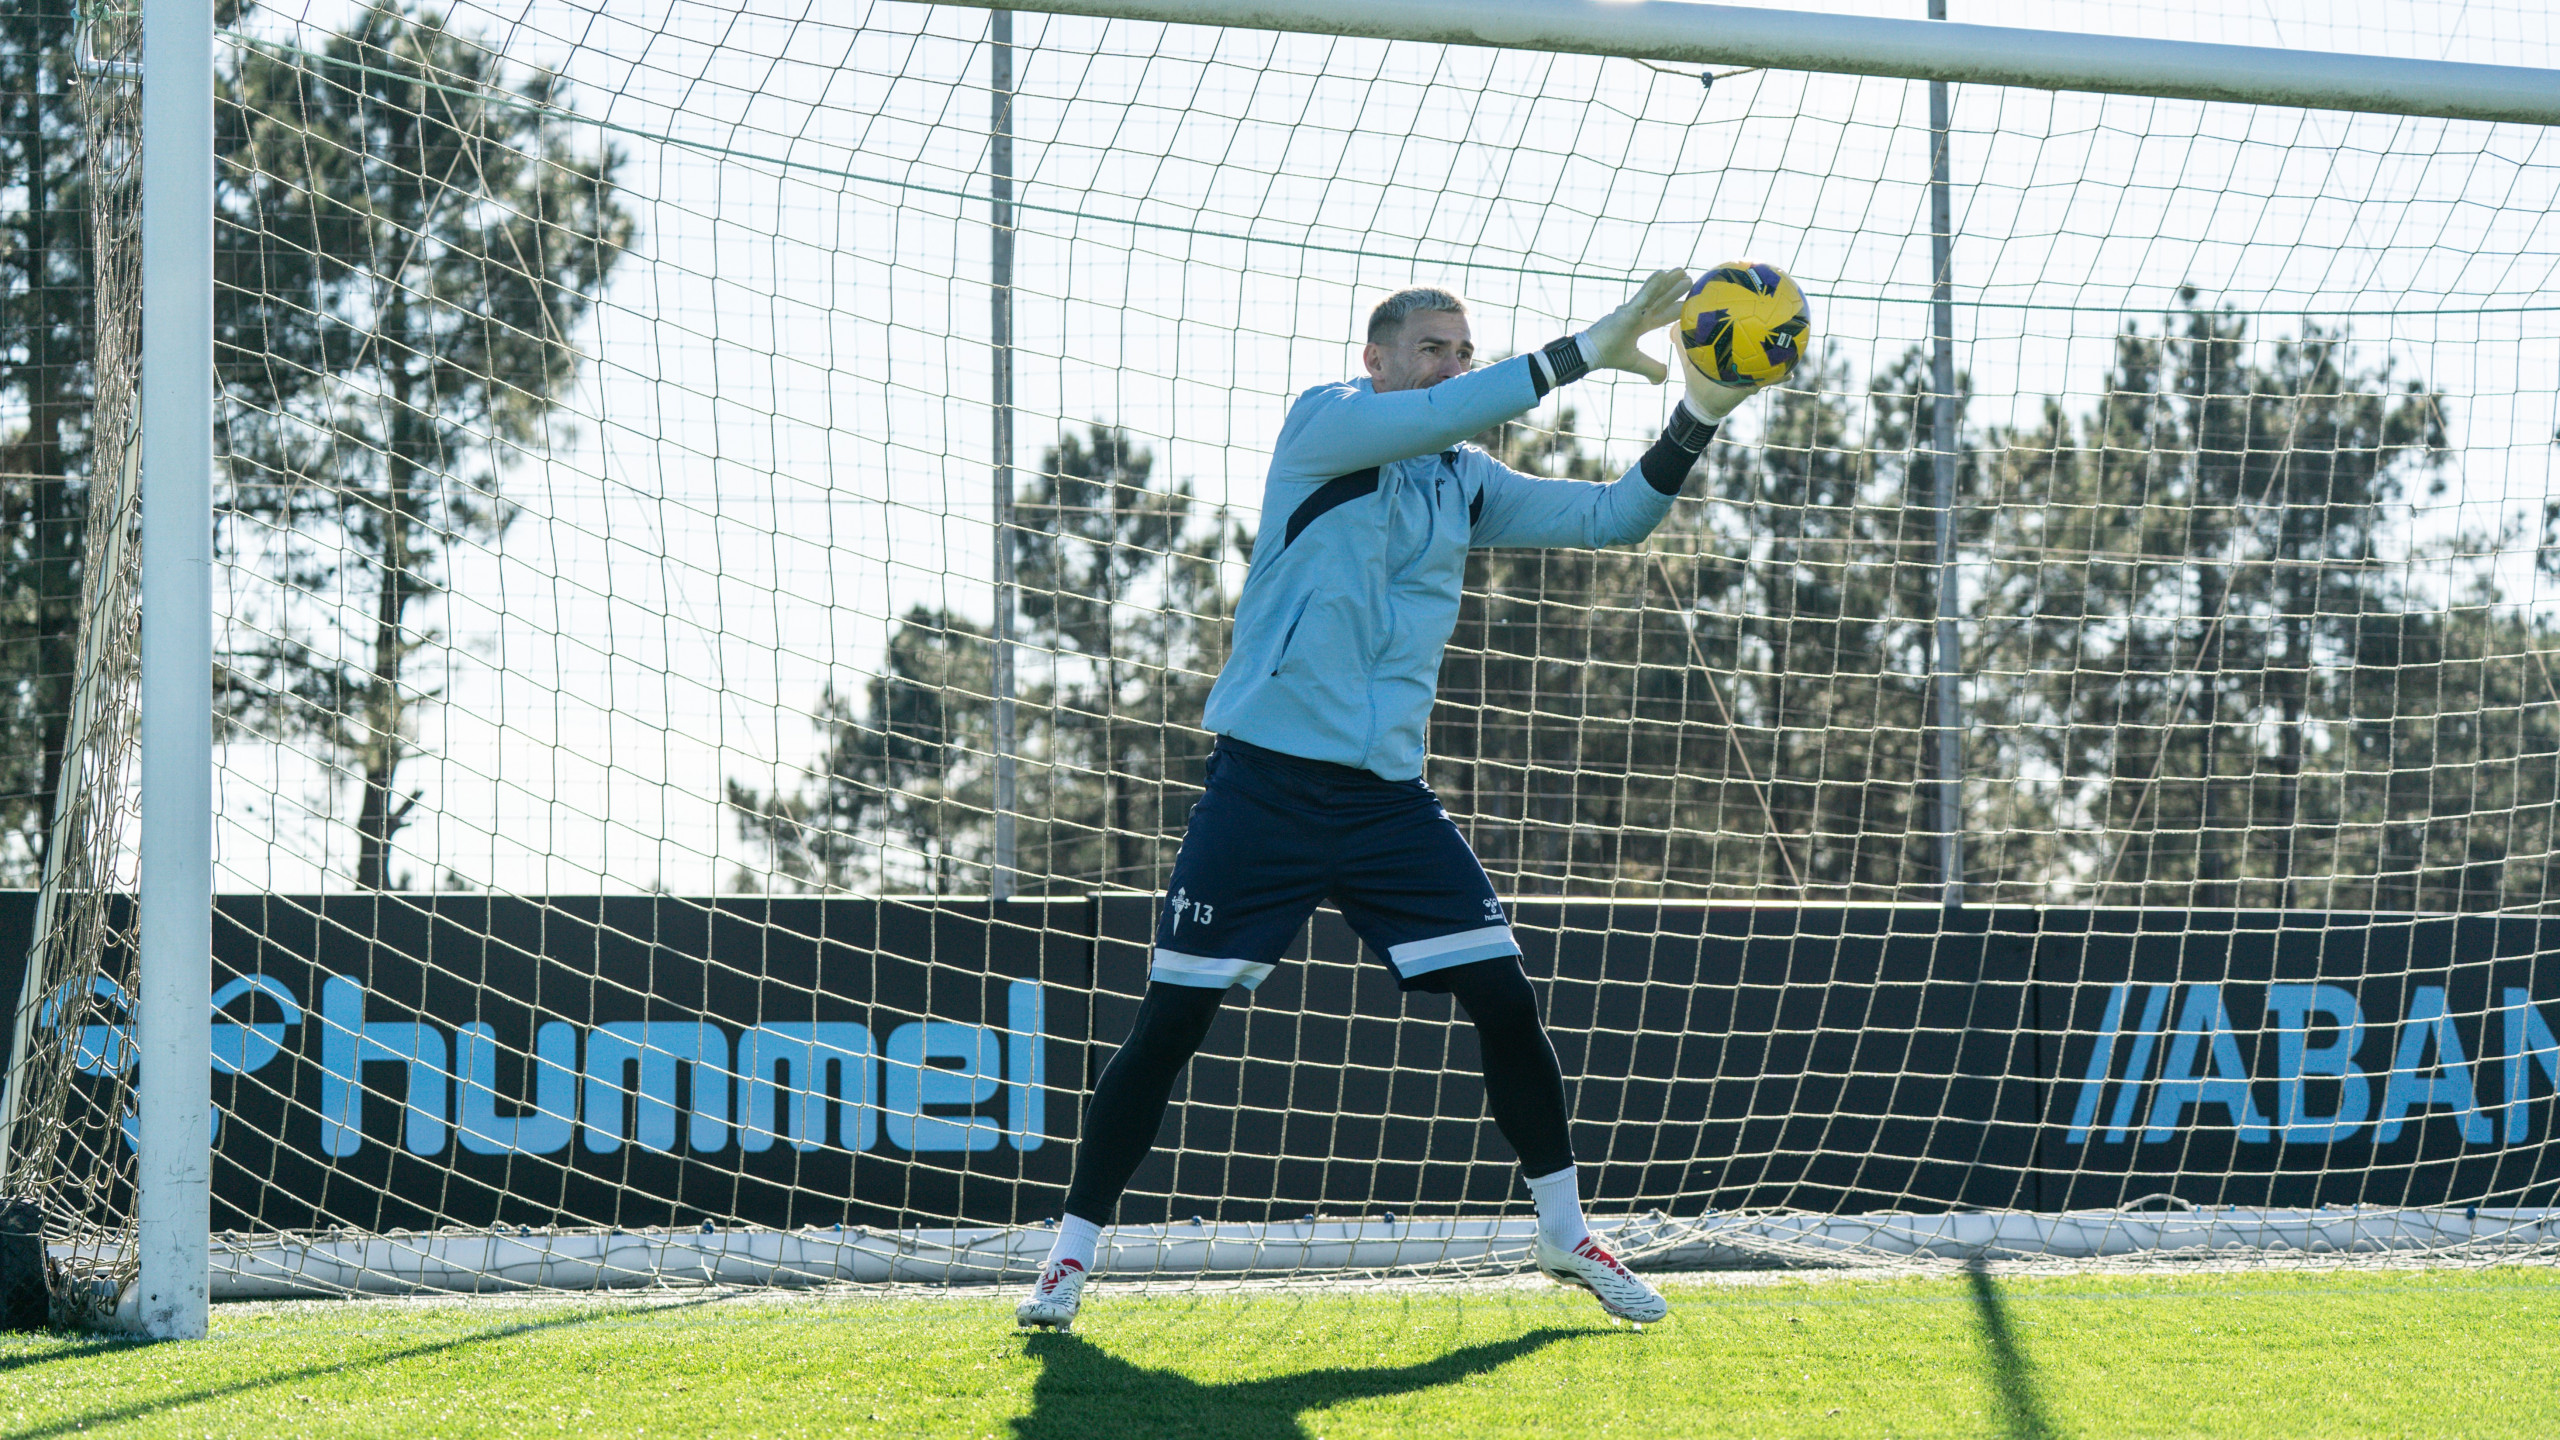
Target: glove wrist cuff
column 1675, row 454
column 1687, row 428
column 1562, row 362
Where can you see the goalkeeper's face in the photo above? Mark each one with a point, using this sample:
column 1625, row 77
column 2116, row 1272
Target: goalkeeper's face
column 1429, row 347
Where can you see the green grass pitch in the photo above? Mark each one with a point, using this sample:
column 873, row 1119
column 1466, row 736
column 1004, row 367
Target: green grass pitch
column 2258, row 1353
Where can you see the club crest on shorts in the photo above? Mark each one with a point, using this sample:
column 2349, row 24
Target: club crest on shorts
column 1180, row 904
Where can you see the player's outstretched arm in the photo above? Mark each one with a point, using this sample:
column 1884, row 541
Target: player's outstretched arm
column 1338, row 429
column 1530, row 510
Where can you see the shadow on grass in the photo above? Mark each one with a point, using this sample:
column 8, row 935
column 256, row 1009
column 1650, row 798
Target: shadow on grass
column 67, row 1347
column 161, row 1404
column 2013, row 1378
column 1084, row 1392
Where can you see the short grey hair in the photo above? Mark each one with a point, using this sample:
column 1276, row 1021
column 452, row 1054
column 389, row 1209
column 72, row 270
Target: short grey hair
column 1390, row 315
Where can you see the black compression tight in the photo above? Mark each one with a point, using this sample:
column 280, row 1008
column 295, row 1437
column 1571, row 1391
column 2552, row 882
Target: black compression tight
column 1523, row 1085
column 1128, row 1101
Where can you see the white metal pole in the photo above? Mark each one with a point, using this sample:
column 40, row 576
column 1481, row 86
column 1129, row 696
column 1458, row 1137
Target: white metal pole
column 1000, row 879
column 174, row 1091
column 1948, row 699
column 1784, row 39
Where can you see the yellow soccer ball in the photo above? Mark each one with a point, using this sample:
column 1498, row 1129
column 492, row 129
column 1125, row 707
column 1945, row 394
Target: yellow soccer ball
column 1745, row 323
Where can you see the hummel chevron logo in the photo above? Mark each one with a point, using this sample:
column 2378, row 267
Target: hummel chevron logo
column 1590, row 1249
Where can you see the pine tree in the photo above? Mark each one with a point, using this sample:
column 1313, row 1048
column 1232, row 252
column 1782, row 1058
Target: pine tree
column 1123, row 623
column 1126, row 605
column 899, row 797
column 406, row 240
column 2233, row 495
column 48, row 283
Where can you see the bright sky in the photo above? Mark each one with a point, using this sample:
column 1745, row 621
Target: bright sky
column 782, row 441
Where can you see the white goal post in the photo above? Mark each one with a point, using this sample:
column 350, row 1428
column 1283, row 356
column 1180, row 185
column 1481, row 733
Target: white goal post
column 486, row 718
column 173, row 1199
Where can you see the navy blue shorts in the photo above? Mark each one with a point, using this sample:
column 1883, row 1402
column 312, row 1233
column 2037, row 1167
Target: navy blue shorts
column 1273, row 835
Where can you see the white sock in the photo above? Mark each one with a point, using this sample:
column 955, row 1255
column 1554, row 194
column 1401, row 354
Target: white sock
column 1076, row 1240
column 1559, row 1198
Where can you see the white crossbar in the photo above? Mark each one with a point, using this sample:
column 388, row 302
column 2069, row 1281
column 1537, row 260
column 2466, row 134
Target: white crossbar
column 1908, row 49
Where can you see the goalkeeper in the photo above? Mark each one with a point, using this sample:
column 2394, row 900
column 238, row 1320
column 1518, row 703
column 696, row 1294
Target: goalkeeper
column 1314, row 791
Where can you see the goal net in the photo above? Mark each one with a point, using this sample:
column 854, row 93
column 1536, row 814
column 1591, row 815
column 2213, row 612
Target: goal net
column 729, row 516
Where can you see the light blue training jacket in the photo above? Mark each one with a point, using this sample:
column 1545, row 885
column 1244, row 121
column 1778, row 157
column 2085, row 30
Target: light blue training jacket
column 1371, row 506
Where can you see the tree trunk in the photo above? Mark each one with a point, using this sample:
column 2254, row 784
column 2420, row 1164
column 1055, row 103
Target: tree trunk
column 2213, row 887
column 380, row 706
column 2297, row 685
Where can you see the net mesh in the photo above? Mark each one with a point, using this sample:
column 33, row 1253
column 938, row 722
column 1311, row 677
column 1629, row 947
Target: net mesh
column 615, row 771
column 64, row 1137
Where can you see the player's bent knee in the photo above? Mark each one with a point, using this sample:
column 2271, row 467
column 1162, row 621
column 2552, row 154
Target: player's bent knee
column 1177, row 1014
column 1493, row 991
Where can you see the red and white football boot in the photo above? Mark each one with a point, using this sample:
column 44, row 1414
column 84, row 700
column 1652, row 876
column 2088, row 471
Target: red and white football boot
column 1054, row 1299
column 1588, row 1267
